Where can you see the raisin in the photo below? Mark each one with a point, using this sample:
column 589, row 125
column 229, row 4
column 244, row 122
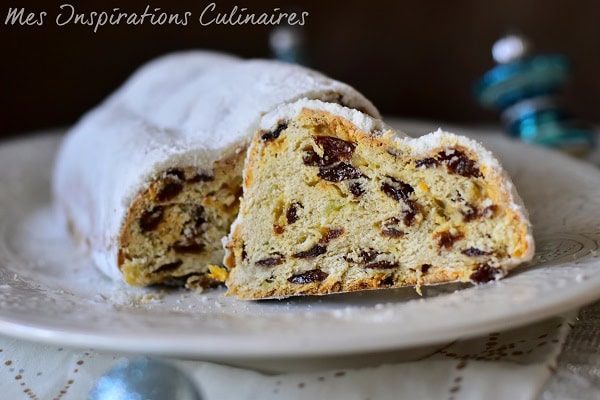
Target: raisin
column 184, row 247
column 332, row 233
column 313, row 252
column 392, row 232
column 388, row 281
column 474, row 252
column 169, row 267
column 278, row 229
column 172, row 184
column 176, row 172
column 334, row 149
column 369, row 255
column 427, row 162
column 410, row 214
column 339, row 172
column 489, row 211
column 397, row 190
column 485, row 273
column 364, row 256
column 382, row 264
column 244, row 254
column 150, row 219
column 198, row 216
column 390, row 191
column 312, row 159
column 292, row 212
column 389, row 229
column 170, row 189
column 314, row 275
column 356, row 189
column 465, row 167
column 276, row 259
column 201, row 178
column 425, row 268
column 391, row 221
column 458, row 163
column 446, row 155
column 268, row 136
column 199, row 220
column 469, row 212
column 446, row 239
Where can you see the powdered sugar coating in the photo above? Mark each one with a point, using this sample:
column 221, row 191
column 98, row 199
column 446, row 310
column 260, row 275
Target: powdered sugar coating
column 185, row 109
column 361, row 120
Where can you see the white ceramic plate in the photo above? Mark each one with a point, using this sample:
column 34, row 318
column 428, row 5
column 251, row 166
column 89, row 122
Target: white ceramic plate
column 49, row 292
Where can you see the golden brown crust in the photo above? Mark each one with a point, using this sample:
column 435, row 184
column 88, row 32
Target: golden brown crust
column 328, row 287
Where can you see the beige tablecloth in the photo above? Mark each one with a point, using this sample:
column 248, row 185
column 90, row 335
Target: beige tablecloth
column 578, row 371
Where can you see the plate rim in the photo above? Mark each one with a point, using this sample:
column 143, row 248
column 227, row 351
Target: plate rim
column 223, row 349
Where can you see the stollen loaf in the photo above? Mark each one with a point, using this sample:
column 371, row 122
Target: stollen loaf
column 149, row 181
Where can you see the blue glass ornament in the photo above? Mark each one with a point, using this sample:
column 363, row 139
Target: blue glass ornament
column 144, row 379
column 523, row 88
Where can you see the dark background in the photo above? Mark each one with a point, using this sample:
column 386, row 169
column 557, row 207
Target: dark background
column 415, row 59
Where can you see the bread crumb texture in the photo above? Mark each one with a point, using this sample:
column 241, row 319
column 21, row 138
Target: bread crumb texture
column 173, row 231
column 328, row 208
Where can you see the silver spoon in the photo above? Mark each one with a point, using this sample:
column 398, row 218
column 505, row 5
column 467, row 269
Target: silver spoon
column 144, row 379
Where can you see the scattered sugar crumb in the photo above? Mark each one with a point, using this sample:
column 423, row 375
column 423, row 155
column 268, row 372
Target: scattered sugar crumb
column 100, row 297
column 384, row 316
column 343, row 312
column 152, row 298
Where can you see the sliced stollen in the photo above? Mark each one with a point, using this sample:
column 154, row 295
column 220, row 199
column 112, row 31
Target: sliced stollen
column 149, row 181
column 337, row 201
